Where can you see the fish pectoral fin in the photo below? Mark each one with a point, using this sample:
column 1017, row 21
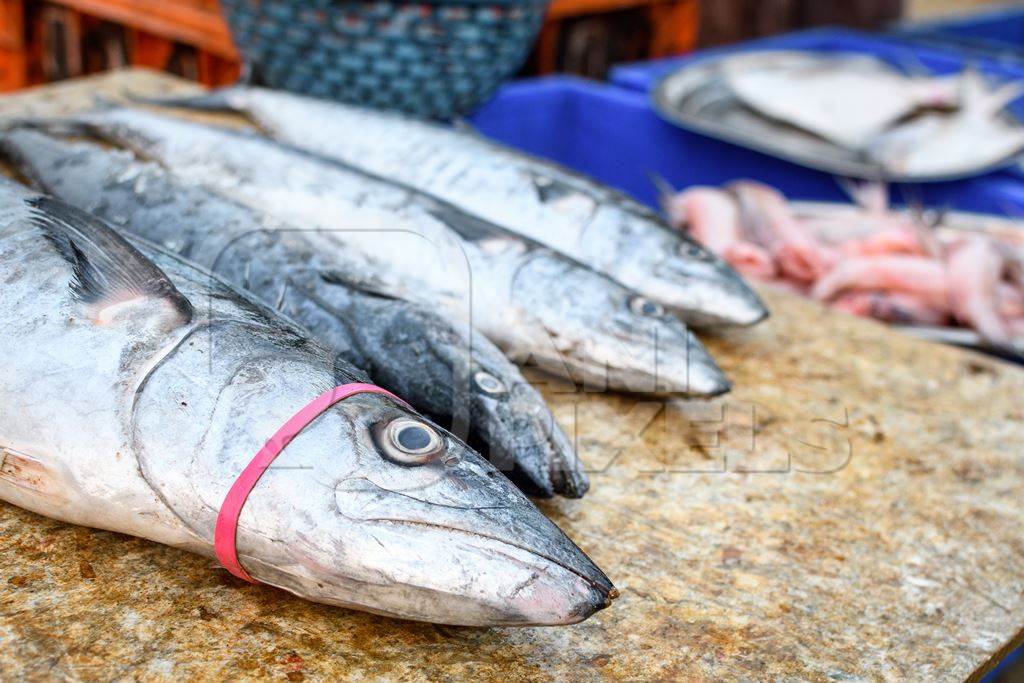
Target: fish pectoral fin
column 110, row 275
column 28, row 473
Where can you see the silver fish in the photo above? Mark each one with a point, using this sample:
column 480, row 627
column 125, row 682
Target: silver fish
column 826, row 93
column 136, row 390
column 450, row 373
column 942, row 144
column 806, row 107
column 531, row 301
column 594, row 224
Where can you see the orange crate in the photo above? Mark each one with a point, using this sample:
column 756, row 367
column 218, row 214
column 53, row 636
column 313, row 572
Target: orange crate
column 13, row 69
column 13, row 55
column 198, row 23
column 12, row 24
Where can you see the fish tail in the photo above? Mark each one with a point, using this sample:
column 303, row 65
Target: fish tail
column 998, row 99
column 867, row 194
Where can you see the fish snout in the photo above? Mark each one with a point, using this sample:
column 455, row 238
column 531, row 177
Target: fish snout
column 536, row 437
column 499, row 563
column 526, row 587
column 660, row 358
column 555, row 596
column 708, row 293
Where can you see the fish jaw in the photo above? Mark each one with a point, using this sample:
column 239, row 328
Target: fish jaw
column 525, row 436
column 703, row 291
column 501, row 565
column 659, row 357
column 677, row 366
column 602, row 334
column 492, row 582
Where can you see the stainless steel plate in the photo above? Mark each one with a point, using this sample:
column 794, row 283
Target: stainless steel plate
column 696, row 98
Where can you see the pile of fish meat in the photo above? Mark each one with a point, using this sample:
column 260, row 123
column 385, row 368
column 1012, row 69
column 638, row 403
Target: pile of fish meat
column 869, row 260
column 909, row 125
column 185, row 288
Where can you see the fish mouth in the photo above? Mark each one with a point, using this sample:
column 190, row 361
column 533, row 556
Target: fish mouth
column 540, row 458
column 600, row 582
column 599, row 593
column 712, row 296
column 568, row 475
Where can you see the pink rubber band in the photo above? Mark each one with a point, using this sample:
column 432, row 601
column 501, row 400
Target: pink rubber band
column 225, row 531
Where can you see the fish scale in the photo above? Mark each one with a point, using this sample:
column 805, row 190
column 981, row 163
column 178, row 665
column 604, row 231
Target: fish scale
column 285, row 268
column 587, row 221
column 413, row 246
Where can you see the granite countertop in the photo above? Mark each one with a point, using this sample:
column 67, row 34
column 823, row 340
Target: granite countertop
column 851, row 511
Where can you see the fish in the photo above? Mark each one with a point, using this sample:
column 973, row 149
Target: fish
column 975, row 268
column 908, row 268
column 846, row 99
column 137, row 387
column 535, row 304
column 452, row 374
column 709, row 214
column 850, row 115
column 893, row 307
column 713, row 217
column 936, row 145
column 766, row 215
column 562, row 209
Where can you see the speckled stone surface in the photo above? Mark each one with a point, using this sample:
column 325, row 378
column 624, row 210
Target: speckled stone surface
column 852, row 511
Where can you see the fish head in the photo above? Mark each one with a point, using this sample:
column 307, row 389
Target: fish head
column 370, row 506
column 524, row 439
column 700, row 287
column 672, row 268
column 406, row 520
column 607, row 336
column 459, row 378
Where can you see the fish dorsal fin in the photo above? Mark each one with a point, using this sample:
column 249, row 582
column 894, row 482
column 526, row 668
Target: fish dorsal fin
column 108, row 271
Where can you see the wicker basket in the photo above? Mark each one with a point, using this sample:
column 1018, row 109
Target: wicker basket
column 431, row 59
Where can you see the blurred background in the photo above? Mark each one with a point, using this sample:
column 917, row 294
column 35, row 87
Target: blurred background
column 47, row 41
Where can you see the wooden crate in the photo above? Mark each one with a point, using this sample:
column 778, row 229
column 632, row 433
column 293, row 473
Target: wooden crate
column 674, row 26
column 13, row 57
column 41, row 41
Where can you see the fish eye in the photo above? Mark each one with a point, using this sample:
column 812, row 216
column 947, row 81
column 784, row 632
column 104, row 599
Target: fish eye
column 693, row 251
column 645, row 307
column 410, row 442
column 488, row 383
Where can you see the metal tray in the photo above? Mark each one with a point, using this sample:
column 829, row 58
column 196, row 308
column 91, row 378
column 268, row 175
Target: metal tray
column 952, row 225
column 695, row 98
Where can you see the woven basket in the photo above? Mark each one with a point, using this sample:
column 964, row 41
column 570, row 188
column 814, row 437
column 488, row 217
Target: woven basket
column 431, row 59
